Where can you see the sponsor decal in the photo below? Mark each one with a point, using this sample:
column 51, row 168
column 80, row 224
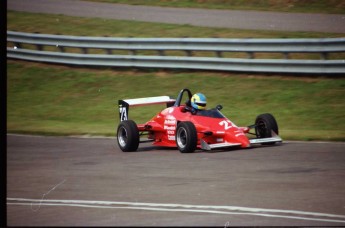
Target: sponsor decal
column 170, row 126
column 167, row 111
column 170, row 122
column 239, row 133
column 171, row 137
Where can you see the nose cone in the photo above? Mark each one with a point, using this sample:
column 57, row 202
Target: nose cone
column 237, row 136
column 244, row 141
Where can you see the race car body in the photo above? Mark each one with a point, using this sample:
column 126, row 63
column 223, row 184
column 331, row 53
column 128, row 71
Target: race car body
column 180, row 126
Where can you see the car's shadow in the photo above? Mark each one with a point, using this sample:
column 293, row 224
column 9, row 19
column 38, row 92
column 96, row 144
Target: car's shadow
column 198, row 151
column 144, row 147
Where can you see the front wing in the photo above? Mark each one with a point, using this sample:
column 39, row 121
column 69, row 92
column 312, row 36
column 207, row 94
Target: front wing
column 273, row 139
column 206, row 146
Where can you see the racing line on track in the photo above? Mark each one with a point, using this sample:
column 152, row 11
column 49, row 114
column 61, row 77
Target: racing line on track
column 232, row 210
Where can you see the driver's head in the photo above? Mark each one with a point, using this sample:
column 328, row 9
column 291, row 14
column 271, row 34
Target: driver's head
column 198, row 101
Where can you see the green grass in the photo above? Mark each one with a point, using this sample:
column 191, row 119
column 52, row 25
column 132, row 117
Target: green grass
column 67, row 25
column 304, row 6
column 57, row 100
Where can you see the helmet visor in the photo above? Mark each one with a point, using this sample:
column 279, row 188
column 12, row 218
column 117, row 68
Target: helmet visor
column 200, row 104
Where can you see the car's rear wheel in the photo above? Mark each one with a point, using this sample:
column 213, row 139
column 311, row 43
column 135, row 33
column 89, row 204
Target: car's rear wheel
column 186, row 137
column 265, row 124
column 128, row 136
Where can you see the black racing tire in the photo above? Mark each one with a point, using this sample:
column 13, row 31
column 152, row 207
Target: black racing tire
column 186, row 137
column 128, row 136
column 265, row 124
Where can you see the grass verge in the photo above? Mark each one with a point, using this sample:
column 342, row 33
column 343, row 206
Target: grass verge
column 59, row 100
column 80, row 26
column 300, row 6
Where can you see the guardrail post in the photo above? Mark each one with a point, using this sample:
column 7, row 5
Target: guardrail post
column 189, row 53
column 61, row 48
column 250, row 55
column 324, row 55
column 161, row 53
column 219, row 54
column 286, row 55
column 84, row 50
column 39, row 47
column 17, row 45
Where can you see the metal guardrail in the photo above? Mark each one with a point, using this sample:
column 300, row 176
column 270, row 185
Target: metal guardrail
column 188, row 45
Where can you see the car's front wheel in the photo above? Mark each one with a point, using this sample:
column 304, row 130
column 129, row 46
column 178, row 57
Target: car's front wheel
column 186, row 137
column 128, row 136
column 265, row 124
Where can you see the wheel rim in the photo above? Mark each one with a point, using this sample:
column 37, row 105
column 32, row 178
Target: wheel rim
column 122, row 137
column 261, row 129
column 181, row 137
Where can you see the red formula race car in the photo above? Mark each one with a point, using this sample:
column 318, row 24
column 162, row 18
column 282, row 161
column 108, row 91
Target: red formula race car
column 180, row 126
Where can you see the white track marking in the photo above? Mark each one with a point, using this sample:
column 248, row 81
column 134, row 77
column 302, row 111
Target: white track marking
column 186, row 210
column 39, row 205
column 182, row 208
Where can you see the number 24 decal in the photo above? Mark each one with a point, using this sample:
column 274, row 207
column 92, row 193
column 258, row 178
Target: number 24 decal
column 227, row 124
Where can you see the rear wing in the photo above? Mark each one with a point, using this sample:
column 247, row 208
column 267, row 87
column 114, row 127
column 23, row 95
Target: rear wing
column 125, row 104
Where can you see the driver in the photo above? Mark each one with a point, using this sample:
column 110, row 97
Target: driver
column 198, row 102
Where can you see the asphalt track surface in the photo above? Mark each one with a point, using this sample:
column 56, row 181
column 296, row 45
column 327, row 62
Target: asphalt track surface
column 334, row 23
column 67, row 181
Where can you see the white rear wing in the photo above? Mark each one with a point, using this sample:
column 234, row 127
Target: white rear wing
column 125, row 104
